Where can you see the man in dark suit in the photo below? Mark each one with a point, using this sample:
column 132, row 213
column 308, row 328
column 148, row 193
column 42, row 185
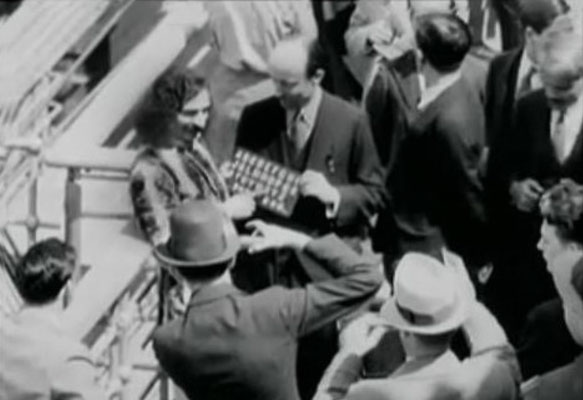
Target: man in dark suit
column 434, row 192
column 513, row 73
column 543, row 145
column 328, row 141
column 321, row 136
column 232, row 345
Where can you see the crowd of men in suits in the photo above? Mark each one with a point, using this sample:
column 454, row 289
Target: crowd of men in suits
column 463, row 172
column 444, row 164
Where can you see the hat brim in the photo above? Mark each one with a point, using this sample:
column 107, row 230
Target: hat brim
column 164, row 255
column 394, row 318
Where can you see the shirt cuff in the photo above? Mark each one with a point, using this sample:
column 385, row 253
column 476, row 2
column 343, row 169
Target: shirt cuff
column 334, row 205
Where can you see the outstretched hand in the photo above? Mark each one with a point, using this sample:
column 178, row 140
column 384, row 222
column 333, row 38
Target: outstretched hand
column 268, row 236
column 363, row 334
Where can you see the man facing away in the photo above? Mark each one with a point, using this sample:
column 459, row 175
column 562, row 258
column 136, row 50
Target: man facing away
column 230, row 344
column 430, row 303
column 435, row 195
column 38, row 359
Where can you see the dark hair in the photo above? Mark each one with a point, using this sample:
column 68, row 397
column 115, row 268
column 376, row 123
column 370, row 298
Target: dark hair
column 175, row 88
column 540, row 14
column 157, row 126
column 562, row 206
column 206, row 273
column 444, row 39
column 317, row 58
column 44, row 270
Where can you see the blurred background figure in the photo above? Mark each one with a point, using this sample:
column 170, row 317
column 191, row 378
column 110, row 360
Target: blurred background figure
column 245, row 33
column 38, row 359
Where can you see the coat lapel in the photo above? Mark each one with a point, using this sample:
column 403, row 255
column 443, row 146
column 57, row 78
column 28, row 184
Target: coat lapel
column 508, row 79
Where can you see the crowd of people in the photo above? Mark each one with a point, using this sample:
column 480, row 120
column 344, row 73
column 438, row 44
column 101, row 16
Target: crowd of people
column 436, row 247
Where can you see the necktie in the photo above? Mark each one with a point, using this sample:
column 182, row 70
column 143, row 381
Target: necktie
column 526, row 83
column 559, row 136
column 297, row 132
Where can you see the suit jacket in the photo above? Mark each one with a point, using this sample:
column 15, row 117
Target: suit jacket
column 563, row 383
column 527, row 152
column 340, row 147
column 39, row 361
column 530, row 152
column 546, row 343
column 233, row 345
column 488, row 375
column 500, row 92
column 435, row 195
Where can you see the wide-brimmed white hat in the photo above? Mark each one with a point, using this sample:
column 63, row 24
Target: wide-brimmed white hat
column 428, row 298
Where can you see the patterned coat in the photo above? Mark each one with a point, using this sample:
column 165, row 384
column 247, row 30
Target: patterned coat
column 155, row 189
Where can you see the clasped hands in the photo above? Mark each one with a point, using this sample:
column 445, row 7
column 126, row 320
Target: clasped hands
column 266, row 236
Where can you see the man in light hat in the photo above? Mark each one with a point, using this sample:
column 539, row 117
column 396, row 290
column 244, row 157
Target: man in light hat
column 231, row 345
column 431, row 302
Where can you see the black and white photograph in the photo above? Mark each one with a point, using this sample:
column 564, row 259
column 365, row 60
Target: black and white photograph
column 291, row 199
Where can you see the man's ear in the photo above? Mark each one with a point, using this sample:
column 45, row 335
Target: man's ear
column 318, row 76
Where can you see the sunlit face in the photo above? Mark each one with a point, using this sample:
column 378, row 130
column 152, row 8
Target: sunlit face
column 293, row 89
column 287, row 68
column 550, row 244
column 561, row 256
column 195, row 112
column 561, row 92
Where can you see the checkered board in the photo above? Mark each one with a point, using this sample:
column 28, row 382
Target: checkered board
column 278, row 185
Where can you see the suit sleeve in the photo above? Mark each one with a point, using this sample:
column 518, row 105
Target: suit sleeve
column 361, row 199
column 455, row 176
column 355, row 281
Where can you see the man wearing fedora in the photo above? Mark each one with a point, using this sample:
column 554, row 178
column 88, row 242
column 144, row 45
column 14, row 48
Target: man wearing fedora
column 233, row 345
column 431, row 302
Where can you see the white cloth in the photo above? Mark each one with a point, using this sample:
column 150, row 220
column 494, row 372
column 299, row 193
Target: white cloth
column 428, row 95
column 566, row 128
column 301, row 122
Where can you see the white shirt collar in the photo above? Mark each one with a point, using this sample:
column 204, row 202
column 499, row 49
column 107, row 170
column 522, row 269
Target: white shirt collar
column 429, row 95
column 573, row 121
column 524, row 67
column 309, row 112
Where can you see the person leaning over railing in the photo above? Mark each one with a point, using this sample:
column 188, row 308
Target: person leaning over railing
column 38, row 359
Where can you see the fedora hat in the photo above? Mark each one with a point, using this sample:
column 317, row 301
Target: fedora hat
column 200, row 235
column 427, row 298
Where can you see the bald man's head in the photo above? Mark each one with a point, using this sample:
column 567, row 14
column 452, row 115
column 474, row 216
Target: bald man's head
column 296, row 68
column 561, row 63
